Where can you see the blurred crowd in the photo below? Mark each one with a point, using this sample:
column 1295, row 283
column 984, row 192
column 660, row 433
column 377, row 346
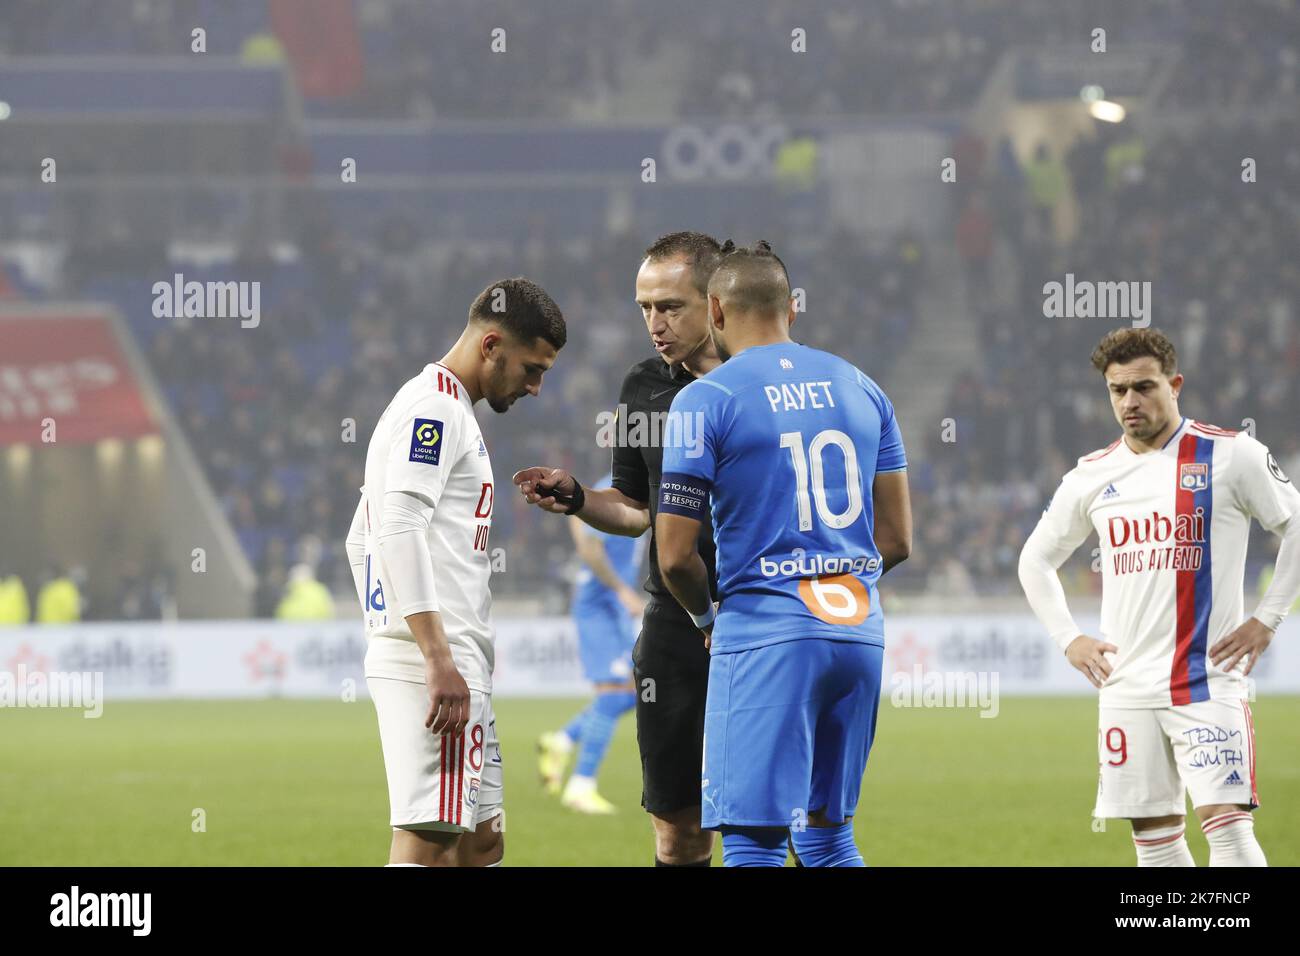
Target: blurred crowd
column 1170, row 208
column 60, row 595
column 279, row 416
column 1239, row 60
column 572, row 59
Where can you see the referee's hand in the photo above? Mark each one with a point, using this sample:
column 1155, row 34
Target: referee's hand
column 538, row 485
column 1088, row 655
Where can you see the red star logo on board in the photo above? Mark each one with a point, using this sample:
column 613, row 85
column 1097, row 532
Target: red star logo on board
column 265, row 661
column 908, row 654
column 29, row 659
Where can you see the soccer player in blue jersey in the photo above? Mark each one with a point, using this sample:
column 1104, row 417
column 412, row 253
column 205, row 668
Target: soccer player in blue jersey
column 607, row 612
column 798, row 455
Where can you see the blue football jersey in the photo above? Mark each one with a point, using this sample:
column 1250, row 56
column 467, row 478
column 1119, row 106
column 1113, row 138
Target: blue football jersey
column 784, row 442
column 624, row 556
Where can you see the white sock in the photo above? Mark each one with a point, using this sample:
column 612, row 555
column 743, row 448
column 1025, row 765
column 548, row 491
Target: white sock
column 386, row 865
column 1232, row 840
column 1163, row 846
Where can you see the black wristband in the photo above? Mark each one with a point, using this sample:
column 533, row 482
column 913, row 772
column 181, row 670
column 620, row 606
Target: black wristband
column 573, row 502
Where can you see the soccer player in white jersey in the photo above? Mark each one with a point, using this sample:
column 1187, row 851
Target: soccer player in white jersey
column 419, row 556
column 1171, row 500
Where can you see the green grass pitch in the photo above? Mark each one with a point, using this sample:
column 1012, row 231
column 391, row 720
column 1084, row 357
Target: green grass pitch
column 302, row 783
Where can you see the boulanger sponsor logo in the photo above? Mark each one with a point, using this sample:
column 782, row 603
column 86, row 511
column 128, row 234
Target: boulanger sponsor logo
column 836, row 598
column 830, row 585
column 800, row 565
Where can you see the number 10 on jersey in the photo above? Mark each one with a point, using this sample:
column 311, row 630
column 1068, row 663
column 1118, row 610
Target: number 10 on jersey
column 810, row 465
column 834, row 598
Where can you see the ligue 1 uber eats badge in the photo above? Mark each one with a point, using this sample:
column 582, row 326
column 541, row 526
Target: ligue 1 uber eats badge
column 426, row 441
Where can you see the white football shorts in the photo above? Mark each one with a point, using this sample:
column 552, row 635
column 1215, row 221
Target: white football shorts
column 436, row 781
column 1152, row 758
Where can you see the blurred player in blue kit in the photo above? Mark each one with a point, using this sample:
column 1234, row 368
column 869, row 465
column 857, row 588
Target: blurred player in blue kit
column 607, row 614
column 800, row 459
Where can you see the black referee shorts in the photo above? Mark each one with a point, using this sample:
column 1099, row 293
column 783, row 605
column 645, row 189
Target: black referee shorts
column 670, row 655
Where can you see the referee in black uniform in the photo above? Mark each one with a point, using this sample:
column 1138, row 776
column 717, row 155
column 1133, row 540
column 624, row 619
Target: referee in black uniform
column 670, row 663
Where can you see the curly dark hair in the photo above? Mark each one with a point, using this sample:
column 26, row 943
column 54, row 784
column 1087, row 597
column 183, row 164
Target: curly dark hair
column 1124, row 345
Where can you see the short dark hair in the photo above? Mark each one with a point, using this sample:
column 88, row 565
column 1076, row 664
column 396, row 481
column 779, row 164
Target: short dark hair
column 757, row 277
column 1125, row 345
column 701, row 252
column 522, row 308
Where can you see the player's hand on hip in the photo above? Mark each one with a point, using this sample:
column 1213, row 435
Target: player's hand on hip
column 1088, row 655
column 448, row 698
column 631, row 601
column 708, row 637
column 538, row 485
column 1249, row 640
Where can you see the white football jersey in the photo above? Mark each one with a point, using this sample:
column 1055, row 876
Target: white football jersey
column 1173, row 526
column 428, row 443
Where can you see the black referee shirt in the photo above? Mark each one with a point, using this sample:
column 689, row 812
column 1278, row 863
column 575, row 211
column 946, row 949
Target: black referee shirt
column 649, row 388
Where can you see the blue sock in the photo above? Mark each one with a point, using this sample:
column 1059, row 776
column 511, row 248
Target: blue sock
column 573, row 729
column 753, row 846
column 598, row 726
column 827, row 846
